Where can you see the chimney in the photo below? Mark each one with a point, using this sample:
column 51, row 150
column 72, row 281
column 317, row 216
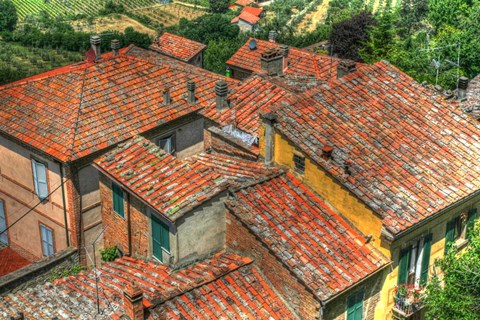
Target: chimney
column 272, row 62
column 167, row 100
column 327, row 151
column 133, row 301
column 270, row 119
column 95, row 42
column 191, row 92
column 345, row 67
column 115, row 45
column 272, row 35
column 18, row 316
column 221, row 91
column 285, row 50
column 462, row 88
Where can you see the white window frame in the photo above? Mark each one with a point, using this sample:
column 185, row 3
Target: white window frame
column 3, row 217
column 48, row 243
column 40, row 179
column 170, row 146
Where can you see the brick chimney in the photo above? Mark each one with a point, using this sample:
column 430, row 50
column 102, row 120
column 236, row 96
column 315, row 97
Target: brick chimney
column 286, row 50
column 345, row 67
column 167, row 100
column 327, row 151
column 191, row 92
column 270, row 119
column 462, row 88
column 95, row 42
column 133, row 301
column 272, row 36
column 271, row 61
column 221, row 91
column 115, row 45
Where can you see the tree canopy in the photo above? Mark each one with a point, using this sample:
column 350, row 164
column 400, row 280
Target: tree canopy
column 8, row 15
column 218, row 6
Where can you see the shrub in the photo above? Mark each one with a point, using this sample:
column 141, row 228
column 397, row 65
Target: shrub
column 109, row 253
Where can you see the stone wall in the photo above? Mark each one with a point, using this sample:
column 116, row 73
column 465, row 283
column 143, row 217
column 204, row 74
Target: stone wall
column 39, row 272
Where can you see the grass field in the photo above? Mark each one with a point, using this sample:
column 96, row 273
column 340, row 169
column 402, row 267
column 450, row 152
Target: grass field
column 72, row 7
column 115, row 22
column 18, row 62
column 170, row 14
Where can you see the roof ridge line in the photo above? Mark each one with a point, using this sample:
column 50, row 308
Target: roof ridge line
column 69, row 157
column 281, row 171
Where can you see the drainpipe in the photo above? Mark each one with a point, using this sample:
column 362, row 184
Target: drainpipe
column 129, row 226
column 64, row 205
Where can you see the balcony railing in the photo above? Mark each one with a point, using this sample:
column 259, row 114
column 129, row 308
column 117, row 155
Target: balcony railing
column 408, row 301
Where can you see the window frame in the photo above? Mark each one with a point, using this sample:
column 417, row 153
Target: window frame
column 414, row 269
column 173, row 144
column 358, row 296
column 299, row 157
column 154, row 216
column 34, row 160
column 117, row 186
column 6, row 221
column 47, row 227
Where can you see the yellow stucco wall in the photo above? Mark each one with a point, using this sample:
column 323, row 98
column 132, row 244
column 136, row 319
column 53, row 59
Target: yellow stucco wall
column 364, row 219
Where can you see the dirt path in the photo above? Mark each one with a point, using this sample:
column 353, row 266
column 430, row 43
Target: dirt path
column 311, row 19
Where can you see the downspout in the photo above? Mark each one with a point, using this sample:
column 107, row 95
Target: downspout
column 129, row 226
column 64, row 205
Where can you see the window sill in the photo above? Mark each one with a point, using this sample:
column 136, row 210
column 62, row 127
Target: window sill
column 461, row 243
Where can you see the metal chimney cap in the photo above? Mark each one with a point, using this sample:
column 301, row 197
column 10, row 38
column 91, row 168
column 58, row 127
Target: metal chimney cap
column 115, row 44
column 95, row 39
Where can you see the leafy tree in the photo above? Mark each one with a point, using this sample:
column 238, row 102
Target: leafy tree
column 218, row 52
column 8, row 15
column 340, row 10
column 218, row 6
column 413, row 12
column 381, row 37
column 458, row 297
column 348, row 36
column 447, row 12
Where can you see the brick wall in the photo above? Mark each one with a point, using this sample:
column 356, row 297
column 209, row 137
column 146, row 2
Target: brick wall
column 240, row 239
column 117, row 231
column 140, row 225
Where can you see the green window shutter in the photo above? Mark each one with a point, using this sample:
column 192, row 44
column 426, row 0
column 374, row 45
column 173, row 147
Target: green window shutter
column 427, row 248
column 403, row 265
column 351, row 307
column 355, row 306
column 160, row 238
column 449, row 234
column 472, row 218
column 118, row 200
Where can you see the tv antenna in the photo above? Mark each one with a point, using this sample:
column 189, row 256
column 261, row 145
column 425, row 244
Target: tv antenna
column 439, row 62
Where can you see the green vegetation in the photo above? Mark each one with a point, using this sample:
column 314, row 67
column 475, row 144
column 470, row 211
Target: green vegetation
column 70, row 271
column 8, row 15
column 109, row 253
column 218, row 6
column 458, row 297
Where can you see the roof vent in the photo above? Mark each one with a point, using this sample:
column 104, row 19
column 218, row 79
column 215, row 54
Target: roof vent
column 95, row 42
column 191, row 92
column 462, row 88
column 345, row 67
column 327, row 151
column 166, row 97
column 115, row 45
column 252, row 45
column 221, row 91
column 272, row 36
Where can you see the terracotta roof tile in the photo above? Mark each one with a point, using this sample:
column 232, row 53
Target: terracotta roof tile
column 243, row 3
column 249, row 14
column 77, row 110
column 11, row 261
column 177, row 47
column 313, row 241
column 174, row 186
column 243, row 294
column 411, row 153
column 75, row 296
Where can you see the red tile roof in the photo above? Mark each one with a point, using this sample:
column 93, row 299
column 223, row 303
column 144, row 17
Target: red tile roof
column 177, row 47
column 472, row 105
column 75, row 296
column 11, row 261
column 301, row 63
column 411, row 153
column 241, row 294
column 76, row 110
column 247, row 17
column 252, row 10
column 173, row 186
column 313, row 241
column 243, row 3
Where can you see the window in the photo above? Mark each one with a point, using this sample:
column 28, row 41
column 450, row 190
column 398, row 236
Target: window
column 355, row 306
column 118, row 200
column 40, row 179
column 414, row 262
column 299, row 162
column 47, row 241
column 3, row 225
column 167, row 144
column 459, row 228
column 160, row 238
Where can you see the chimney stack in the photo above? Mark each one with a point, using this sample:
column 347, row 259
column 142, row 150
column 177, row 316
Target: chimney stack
column 115, row 45
column 191, row 92
column 285, row 49
column 272, row 36
column 462, row 88
column 345, row 67
column 272, row 61
column 95, row 42
column 167, row 100
column 327, row 151
column 133, row 302
column 221, row 91
column 270, row 119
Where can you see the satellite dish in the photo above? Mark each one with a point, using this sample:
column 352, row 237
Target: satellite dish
column 253, row 44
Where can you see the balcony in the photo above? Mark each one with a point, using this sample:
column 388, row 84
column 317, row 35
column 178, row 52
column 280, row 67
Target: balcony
column 408, row 303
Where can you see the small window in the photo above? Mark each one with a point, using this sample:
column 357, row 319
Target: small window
column 167, row 144
column 355, row 306
column 118, row 206
column 3, row 225
column 40, row 179
column 459, row 228
column 47, row 241
column 414, row 262
column 299, row 162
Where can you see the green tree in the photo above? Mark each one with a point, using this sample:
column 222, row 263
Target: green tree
column 8, row 15
column 458, row 297
column 218, row 52
column 447, row 12
column 218, row 6
column 381, row 37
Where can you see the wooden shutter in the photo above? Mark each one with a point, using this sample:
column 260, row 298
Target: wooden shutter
column 427, row 248
column 117, row 199
column 404, row 264
column 160, row 238
column 449, row 234
column 355, row 306
column 40, row 179
column 472, row 218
